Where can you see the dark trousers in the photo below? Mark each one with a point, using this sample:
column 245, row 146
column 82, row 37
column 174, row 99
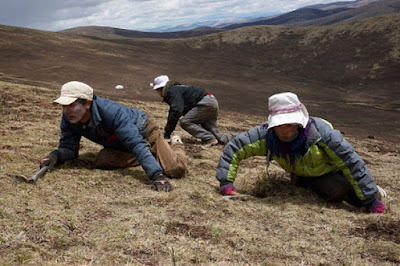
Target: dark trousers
column 333, row 187
column 201, row 121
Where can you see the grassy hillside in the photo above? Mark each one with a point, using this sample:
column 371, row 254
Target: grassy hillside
column 337, row 70
column 77, row 215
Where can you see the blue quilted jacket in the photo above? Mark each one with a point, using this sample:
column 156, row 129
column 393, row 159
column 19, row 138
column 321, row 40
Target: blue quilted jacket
column 112, row 125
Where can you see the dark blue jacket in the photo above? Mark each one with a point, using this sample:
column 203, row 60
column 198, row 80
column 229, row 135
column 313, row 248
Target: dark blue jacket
column 112, row 125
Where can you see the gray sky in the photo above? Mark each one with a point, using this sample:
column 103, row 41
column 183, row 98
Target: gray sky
column 143, row 15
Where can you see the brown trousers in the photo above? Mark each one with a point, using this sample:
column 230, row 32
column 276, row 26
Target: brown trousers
column 172, row 158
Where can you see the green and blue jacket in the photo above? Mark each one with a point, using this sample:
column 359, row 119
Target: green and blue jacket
column 326, row 152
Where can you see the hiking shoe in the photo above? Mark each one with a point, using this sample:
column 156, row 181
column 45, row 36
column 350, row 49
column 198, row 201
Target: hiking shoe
column 176, row 139
column 210, row 142
column 381, row 192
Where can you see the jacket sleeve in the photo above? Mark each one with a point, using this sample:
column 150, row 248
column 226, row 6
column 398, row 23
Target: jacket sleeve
column 68, row 147
column 244, row 145
column 348, row 161
column 129, row 135
column 177, row 105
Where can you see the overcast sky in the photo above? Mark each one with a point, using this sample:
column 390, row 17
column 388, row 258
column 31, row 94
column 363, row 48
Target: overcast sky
column 143, row 15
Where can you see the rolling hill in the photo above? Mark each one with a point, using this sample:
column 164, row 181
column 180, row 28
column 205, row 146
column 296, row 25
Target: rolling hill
column 350, row 67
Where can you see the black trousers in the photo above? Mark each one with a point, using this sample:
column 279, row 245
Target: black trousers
column 333, row 187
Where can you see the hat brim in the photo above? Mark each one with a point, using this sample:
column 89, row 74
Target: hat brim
column 65, row 100
column 159, row 86
column 299, row 117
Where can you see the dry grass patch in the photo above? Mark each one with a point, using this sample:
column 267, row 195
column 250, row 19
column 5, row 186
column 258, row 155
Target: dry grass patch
column 78, row 215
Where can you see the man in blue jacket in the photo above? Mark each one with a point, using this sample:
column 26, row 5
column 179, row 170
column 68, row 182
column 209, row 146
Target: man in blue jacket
column 128, row 136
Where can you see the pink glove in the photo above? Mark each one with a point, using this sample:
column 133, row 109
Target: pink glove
column 376, row 206
column 227, row 189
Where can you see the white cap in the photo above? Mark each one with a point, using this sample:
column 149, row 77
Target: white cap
column 73, row 90
column 285, row 108
column 159, row 82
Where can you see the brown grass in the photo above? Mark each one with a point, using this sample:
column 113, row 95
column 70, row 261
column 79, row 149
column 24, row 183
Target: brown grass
column 77, row 215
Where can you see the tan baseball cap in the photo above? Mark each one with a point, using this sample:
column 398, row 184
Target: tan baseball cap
column 73, row 90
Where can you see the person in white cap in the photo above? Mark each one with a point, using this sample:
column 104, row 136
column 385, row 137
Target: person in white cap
column 198, row 107
column 310, row 149
column 128, row 135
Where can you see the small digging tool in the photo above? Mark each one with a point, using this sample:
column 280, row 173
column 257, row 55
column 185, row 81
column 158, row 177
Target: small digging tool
column 32, row 180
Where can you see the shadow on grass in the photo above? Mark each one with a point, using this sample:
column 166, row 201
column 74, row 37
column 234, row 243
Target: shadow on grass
column 87, row 161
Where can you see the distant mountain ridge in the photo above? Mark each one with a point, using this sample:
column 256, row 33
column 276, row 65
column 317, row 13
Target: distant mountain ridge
column 292, row 18
column 327, row 14
column 315, row 15
column 110, row 32
column 349, row 4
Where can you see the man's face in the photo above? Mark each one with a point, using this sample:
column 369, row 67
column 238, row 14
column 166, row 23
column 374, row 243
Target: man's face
column 77, row 112
column 159, row 91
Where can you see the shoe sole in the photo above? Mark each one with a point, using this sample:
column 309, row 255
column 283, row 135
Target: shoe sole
column 213, row 143
column 382, row 192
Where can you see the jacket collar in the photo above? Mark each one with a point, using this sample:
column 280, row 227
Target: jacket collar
column 167, row 86
column 96, row 118
column 313, row 135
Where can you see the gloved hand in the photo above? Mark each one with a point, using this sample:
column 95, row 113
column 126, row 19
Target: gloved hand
column 160, row 183
column 375, row 206
column 227, row 189
column 50, row 161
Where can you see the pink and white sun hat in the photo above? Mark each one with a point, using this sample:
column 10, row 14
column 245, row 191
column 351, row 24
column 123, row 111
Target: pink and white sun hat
column 159, row 82
column 285, row 108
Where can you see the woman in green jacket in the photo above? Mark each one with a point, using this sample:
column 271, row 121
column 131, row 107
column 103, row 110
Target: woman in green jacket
column 310, row 149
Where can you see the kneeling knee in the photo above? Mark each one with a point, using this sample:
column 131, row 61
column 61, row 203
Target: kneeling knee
column 184, row 123
column 337, row 195
column 177, row 172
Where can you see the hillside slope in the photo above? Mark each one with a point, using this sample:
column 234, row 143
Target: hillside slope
column 349, row 68
column 77, row 215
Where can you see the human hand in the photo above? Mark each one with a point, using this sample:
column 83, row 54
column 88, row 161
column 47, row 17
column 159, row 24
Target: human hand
column 49, row 161
column 228, row 189
column 160, row 183
column 375, row 206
